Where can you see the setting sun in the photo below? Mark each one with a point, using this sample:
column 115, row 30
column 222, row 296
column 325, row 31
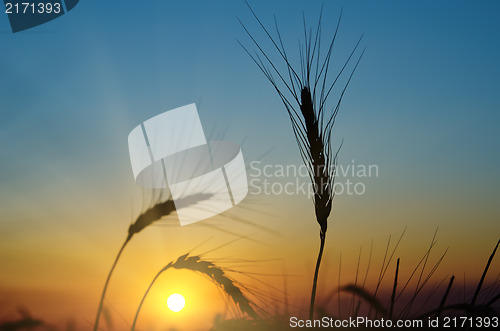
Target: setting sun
column 176, row 302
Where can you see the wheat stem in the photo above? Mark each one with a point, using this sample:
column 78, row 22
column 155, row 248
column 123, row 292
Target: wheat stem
column 101, row 302
column 443, row 301
column 478, row 289
column 322, row 236
column 393, row 297
column 145, row 295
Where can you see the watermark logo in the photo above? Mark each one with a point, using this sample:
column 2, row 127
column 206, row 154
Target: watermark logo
column 26, row 14
column 204, row 178
column 291, row 179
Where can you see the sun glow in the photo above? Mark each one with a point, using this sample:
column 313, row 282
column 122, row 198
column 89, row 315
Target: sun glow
column 176, row 302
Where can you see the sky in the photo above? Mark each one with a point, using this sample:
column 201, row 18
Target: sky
column 422, row 106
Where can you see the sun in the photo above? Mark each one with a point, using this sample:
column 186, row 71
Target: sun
column 176, row 302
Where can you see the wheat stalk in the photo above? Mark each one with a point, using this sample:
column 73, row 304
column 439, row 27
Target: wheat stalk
column 145, row 219
column 305, row 96
column 215, row 273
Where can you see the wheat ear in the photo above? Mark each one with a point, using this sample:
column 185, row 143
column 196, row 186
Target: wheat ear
column 304, row 94
column 215, row 273
column 148, row 217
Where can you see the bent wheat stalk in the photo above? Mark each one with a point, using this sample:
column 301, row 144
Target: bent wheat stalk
column 144, row 220
column 305, row 93
column 215, row 273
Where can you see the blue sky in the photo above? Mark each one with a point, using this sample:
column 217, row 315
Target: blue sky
column 422, row 104
column 425, row 90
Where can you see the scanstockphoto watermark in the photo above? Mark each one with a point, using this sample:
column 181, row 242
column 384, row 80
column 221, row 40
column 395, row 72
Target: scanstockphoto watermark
column 356, row 322
column 455, row 322
column 291, row 179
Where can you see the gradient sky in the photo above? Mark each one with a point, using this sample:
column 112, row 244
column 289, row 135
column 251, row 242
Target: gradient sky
column 423, row 106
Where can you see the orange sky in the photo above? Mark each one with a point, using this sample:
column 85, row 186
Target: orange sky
column 59, row 275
